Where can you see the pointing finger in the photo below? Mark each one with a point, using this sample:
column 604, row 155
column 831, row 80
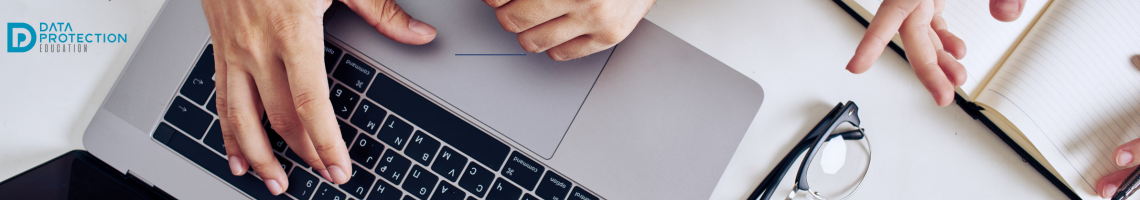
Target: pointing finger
column 883, row 27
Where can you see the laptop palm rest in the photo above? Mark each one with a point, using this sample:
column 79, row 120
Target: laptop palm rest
column 662, row 122
column 476, row 66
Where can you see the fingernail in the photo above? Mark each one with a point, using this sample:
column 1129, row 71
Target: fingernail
column 420, row 27
column 274, row 187
column 1108, row 191
column 1008, row 7
column 1124, row 158
column 337, row 174
column 325, row 174
column 235, row 166
column 938, row 99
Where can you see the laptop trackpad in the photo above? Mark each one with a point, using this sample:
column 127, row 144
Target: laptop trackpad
column 476, row 66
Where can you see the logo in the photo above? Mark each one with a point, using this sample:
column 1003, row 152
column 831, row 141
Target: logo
column 55, row 37
column 21, row 37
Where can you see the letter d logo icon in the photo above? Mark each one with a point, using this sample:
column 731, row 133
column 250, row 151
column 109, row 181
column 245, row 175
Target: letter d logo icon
column 21, row 37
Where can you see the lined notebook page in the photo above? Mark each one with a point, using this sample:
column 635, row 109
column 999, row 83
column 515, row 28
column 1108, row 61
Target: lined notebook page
column 1071, row 89
column 987, row 39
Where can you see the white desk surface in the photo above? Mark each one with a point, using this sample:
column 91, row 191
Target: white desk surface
column 796, row 50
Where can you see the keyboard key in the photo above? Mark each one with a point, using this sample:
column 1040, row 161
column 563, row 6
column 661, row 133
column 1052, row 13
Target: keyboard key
column 200, row 82
column 503, row 191
column 214, row 138
column 163, row 133
column 422, row 148
column 354, row 73
column 384, row 191
column 420, row 182
column 359, row 182
column 292, row 155
column 531, row 197
column 368, row 116
column 408, row 198
column 449, row 164
column 331, row 54
column 188, row 117
column 522, row 170
column 285, row 164
column 442, row 124
column 395, row 132
column 346, row 132
column 251, row 185
column 471, row 198
column 446, row 191
column 476, row 179
column 211, row 162
column 343, row 100
column 275, row 139
column 327, row 192
column 366, row 151
column 579, row 194
column 302, row 183
column 212, row 106
column 393, row 166
column 553, row 186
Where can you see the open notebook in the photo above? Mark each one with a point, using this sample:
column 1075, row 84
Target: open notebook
column 1057, row 84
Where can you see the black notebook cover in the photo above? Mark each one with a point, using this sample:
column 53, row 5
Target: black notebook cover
column 975, row 111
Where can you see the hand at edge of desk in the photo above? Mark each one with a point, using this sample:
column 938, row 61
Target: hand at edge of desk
column 1124, row 155
column 933, row 51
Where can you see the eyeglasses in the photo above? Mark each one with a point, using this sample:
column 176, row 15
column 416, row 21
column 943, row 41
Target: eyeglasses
column 835, row 167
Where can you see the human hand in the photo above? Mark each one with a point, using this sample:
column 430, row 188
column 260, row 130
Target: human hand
column 1124, row 155
column 931, row 49
column 569, row 29
column 269, row 58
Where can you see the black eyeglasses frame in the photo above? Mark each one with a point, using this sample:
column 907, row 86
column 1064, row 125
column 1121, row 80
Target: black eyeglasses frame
column 841, row 113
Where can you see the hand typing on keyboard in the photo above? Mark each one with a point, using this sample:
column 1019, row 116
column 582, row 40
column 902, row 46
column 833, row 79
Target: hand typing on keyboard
column 393, row 155
column 269, row 58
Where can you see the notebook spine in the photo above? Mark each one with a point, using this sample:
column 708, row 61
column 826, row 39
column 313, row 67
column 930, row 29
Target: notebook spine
column 971, row 108
column 975, row 111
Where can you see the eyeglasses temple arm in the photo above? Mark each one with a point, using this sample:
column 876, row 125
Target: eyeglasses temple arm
column 768, row 185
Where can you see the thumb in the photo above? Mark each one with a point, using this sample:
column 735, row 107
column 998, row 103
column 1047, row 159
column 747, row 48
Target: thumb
column 1006, row 10
column 392, row 21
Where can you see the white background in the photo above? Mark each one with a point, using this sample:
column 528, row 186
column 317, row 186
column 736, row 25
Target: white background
column 47, row 99
column 795, row 49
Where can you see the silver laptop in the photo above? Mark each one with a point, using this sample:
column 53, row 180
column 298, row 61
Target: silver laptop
column 470, row 115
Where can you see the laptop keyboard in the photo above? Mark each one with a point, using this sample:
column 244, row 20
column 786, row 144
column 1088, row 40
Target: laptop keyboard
column 402, row 145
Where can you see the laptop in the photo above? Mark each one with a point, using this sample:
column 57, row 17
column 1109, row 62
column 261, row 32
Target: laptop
column 470, row 115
